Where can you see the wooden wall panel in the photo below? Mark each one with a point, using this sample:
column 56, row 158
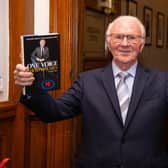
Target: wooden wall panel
column 7, row 117
column 19, row 138
column 5, row 140
column 55, row 140
column 21, row 22
column 64, row 19
column 6, row 136
column 59, row 145
column 28, row 141
column 37, row 144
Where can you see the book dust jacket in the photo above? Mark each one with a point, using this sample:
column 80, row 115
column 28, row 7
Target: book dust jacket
column 41, row 54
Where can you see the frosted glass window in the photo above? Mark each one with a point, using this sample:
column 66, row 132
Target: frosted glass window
column 41, row 13
column 4, row 48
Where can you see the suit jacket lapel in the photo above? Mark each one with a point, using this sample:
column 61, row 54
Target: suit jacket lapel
column 109, row 85
column 138, row 87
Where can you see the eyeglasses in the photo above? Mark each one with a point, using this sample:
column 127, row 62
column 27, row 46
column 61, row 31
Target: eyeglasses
column 131, row 38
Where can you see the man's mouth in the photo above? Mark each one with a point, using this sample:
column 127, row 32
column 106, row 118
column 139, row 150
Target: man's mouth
column 124, row 52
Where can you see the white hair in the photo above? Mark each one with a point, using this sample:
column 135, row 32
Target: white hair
column 124, row 17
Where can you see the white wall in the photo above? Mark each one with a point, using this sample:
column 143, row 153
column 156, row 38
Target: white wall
column 4, row 48
column 153, row 56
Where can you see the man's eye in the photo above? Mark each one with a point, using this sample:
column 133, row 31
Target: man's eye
column 131, row 37
column 119, row 37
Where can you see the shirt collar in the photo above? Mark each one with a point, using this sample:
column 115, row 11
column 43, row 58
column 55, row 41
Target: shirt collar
column 131, row 70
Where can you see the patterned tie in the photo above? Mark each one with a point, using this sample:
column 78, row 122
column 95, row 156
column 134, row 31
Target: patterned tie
column 123, row 94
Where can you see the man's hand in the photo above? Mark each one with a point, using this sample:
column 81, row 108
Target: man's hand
column 22, row 76
column 40, row 59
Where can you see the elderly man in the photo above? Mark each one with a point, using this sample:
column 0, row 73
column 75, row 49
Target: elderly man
column 124, row 105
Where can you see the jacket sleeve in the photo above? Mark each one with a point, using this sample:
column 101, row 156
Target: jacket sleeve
column 166, row 88
column 50, row 109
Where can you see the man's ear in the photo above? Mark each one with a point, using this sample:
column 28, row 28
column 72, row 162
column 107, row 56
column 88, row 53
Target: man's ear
column 141, row 47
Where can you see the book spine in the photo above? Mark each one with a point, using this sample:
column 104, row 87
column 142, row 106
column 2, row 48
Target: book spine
column 22, row 58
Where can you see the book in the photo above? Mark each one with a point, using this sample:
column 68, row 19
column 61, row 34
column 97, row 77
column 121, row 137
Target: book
column 41, row 54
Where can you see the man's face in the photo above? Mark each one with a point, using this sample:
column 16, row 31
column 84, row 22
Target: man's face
column 125, row 42
column 42, row 43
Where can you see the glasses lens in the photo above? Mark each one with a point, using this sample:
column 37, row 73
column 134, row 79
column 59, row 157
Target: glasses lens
column 132, row 38
column 118, row 38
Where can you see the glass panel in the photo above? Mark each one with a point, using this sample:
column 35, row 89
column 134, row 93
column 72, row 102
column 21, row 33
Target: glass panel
column 4, row 48
column 41, row 17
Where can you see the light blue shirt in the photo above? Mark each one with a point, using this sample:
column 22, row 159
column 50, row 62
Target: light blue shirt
column 130, row 80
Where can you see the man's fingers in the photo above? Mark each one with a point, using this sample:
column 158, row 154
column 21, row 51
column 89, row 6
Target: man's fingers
column 20, row 67
column 22, row 81
column 26, row 83
column 22, row 76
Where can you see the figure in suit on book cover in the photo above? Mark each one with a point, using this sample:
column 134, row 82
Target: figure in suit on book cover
column 41, row 53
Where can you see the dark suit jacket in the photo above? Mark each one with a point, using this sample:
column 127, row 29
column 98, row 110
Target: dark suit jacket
column 106, row 143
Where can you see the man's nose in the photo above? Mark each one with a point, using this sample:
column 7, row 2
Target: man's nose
column 125, row 41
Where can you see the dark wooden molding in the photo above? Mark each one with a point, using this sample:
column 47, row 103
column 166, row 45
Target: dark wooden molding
column 7, row 106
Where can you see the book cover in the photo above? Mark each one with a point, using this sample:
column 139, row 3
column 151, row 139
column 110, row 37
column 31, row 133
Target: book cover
column 41, row 54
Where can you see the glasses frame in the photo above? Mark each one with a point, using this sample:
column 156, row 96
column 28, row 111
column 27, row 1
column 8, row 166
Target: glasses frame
column 127, row 36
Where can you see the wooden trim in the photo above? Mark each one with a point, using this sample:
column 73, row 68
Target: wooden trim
column 64, row 19
column 20, row 22
column 18, row 150
column 21, row 18
column 7, row 106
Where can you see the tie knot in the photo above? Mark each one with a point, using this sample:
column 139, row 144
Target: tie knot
column 123, row 75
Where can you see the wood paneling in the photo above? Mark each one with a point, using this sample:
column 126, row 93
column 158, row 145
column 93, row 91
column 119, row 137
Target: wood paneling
column 64, row 19
column 19, row 135
column 6, row 131
column 20, row 22
column 7, row 117
column 29, row 142
column 12, row 123
column 36, row 144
